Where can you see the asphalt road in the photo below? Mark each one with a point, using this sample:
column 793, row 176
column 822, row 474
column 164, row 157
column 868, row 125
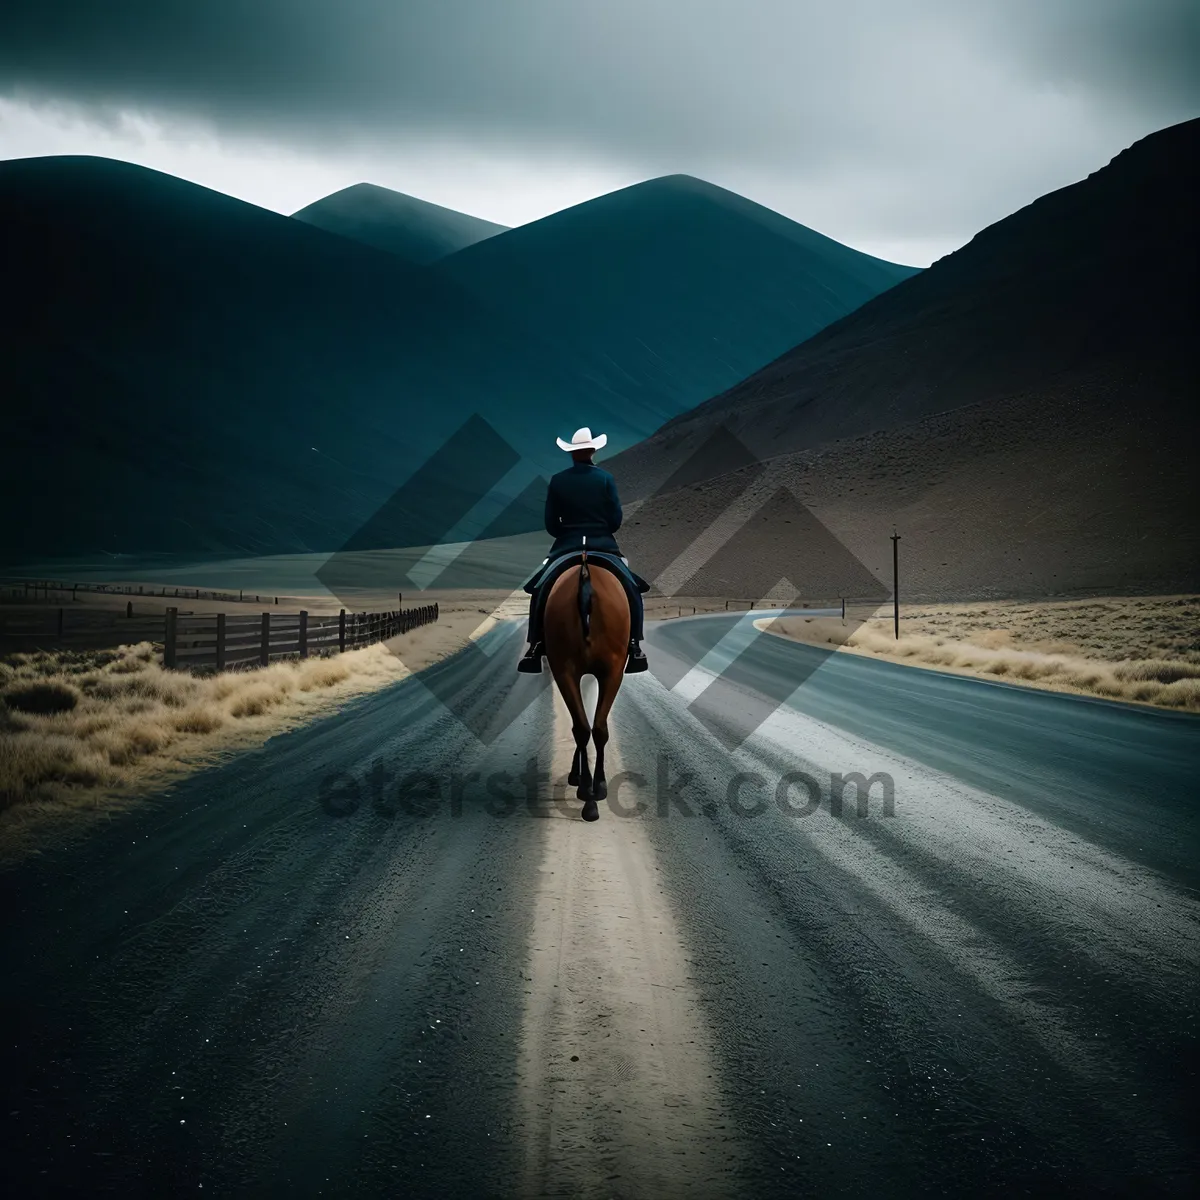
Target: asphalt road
column 303, row 972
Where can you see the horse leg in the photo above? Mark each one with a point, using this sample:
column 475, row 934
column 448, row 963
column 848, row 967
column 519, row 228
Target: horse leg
column 610, row 685
column 581, row 728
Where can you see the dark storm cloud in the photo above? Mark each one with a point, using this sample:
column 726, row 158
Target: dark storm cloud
column 646, row 81
column 1147, row 52
column 902, row 124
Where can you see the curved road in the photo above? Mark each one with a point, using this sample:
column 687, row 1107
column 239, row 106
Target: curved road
column 375, row 958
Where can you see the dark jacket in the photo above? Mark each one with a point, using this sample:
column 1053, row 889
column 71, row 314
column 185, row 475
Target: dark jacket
column 583, row 500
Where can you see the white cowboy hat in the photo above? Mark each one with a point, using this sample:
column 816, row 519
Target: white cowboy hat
column 582, row 439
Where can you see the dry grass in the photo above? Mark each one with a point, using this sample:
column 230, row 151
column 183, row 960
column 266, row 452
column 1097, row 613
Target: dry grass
column 86, row 729
column 87, row 733
column 1145, row 649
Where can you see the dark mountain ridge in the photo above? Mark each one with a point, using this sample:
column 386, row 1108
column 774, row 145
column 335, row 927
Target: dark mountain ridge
column 187, row 372
column 1101, row 271
column 414, row 230
column 1024, row 411
column 222, row 379
column 682, row 286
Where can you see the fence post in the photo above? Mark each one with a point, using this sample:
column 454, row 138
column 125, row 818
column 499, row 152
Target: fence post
column 73, row 587
column 220, row 641
column 264, row 649
column 303, row 633
column 342, row 631
column 169, row 640
column 129, row 608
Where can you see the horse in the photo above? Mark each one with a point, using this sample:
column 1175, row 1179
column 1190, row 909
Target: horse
column 586, row 632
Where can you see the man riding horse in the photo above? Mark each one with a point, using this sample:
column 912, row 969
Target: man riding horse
column 583, row 510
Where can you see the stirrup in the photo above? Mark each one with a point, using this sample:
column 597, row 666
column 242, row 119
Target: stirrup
column 531, row 662
column 636, row 662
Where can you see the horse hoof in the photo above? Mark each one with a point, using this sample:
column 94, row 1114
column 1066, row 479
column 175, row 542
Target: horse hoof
column 599, row 789
column 573, row 779
column 590, row 811
column 584, row 792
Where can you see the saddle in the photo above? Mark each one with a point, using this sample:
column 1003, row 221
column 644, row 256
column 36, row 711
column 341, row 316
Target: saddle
column 540, row 582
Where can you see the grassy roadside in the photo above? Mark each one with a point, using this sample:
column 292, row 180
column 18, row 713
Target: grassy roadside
column 87, row 733
column 1143, row 650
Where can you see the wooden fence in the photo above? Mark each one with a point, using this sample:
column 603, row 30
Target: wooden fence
column 57, row 590
column 216, row 640
column 711, row 605
column 223, row 642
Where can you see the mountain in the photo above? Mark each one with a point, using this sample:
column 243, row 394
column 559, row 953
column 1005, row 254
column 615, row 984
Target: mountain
column 221, row 379
column 682, row 287
column 185, row 372
column 412, row 229
column 1024, row 409
column 1102, row 270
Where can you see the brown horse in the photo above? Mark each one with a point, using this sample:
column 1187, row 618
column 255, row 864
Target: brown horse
column 586, row 632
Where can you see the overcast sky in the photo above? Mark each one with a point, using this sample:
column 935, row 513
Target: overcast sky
column 901, row 127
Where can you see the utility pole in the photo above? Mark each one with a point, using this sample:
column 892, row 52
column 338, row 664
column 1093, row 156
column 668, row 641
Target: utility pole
column 896, row 582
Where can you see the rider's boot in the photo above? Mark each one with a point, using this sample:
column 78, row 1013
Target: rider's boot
column 637, row 658
column 531, row 663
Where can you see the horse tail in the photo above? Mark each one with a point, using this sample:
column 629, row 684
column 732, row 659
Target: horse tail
column 585, row 595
